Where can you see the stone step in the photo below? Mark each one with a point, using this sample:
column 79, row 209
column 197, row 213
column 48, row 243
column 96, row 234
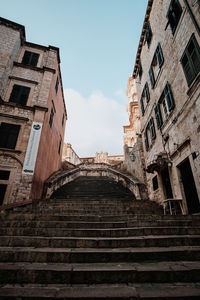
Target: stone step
column 100, row 242
column 107, row 232
column 159, row 291
column 95, row 273
column 97, row 225
column 92, row 255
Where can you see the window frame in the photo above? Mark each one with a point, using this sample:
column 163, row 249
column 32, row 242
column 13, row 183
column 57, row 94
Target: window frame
column 57, row 84
column 9, row 136
column 17, row 94
column 148, row 34
column 192, row 67
column 51, row 117
column 32, row 59
column 171, row 14
column 157, row 61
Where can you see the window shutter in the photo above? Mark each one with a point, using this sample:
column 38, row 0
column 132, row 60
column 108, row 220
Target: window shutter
column 158, row 116
column 30, row 58
column 169, row 97
column 19, row 94
column 34, row 59
column 26, row 57
column 9, row 135
column 146, row 91
column 142, row 106
column 152, row 128
column 152, row 78
column 159, row 56
column 146, row 140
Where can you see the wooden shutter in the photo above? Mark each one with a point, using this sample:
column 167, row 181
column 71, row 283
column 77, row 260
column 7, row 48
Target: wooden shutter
column 152, row 78
column 159, row 56
column 146, row 91
column 169, row 97
column 152, row 128
column 146, row 140
column 142, row 106
column 159, row 120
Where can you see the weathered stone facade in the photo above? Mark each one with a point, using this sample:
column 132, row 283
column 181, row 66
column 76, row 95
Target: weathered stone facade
column 30, row 91
column 70, row 155
column 167, row 74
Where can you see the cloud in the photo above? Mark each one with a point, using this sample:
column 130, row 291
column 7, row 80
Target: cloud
column 94, row 123
column 120, row 93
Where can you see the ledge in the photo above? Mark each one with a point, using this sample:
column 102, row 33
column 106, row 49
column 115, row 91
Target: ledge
column 42, row 70
column 14, row 117
column 23, row 79
column 10, row 150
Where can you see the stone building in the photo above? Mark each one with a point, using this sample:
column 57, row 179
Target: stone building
column 32, row 115
column 103, row 157
column 132, row 130
column 167, row 76
column 70, row 155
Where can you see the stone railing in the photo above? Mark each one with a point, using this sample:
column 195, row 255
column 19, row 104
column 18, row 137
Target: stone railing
column 94, row 169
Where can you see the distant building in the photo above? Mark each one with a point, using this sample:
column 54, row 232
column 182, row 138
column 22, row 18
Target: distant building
column 133, row 129
column 103, row 157
column 32, row 115
column 167, row 76
column 70, row 155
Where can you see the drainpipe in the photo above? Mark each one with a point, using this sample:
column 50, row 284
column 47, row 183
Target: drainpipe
column 192, row 16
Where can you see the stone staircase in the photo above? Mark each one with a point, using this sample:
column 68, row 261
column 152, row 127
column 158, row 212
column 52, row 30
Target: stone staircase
column 93, row 240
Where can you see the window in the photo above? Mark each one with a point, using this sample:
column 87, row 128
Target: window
column 30, row 58
column 156, row 65
column 139, row 68
column 63, row 119
column 59, row 147
column 155, row 183
column 150, row 133
column 145, row 97
column 3, row 188
column 51, row 117
column 19, row 94
column 174, row 14
column 165, row 105
column 148, row 34
column 9, row 134
column 191, row 60
column 57, row 84
column 4, row 175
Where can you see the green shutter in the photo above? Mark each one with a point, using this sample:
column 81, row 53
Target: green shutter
column 159, row 120
column 146, row 92
column 152, row 128
column 146, row 141
column 142, row 106
column 152, row 78
column 169, row 97
column 159, row 56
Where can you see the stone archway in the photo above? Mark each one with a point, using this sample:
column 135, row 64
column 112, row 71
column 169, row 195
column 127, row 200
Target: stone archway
column 63, row 177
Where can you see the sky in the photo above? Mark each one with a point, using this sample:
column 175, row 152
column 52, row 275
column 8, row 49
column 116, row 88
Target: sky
column 98, row 41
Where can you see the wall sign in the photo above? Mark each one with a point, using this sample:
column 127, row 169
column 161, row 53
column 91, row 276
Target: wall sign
column 32, row 149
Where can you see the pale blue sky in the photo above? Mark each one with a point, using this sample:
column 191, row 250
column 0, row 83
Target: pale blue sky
column 98, row 41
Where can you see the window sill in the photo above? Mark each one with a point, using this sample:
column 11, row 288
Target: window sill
column 10, row 150
column 194, row 85
column 38, row 69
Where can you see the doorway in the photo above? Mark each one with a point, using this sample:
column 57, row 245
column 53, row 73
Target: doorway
column 166, row 183
column 189, row 187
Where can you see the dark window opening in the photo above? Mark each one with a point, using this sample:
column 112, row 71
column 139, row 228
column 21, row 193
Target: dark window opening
column 57, row 84
column 156, row 65
column 30, row 58
column 3, row 188
column 59, row 147
column 63, row 119
column 155, row 183
column 9, row 134
column 191, row 60
column 174, row 14
column 145, row 97
column 51, row 117
column 19, row 94
column 164, row 106
column 4, row 175
column 148, row 34
column 150, row 133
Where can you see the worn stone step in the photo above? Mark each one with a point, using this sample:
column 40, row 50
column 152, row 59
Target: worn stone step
column 102, row 291
column 43, row 273
column 92, row 255
column 108, row 232
column 100, row 242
